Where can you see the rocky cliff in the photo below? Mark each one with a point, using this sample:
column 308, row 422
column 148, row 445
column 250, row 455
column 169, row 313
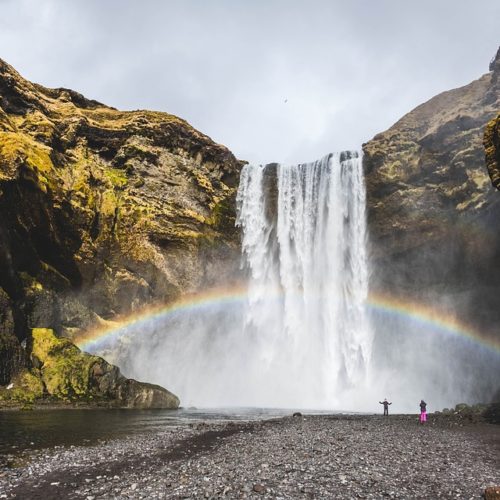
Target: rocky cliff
column 492, row 148
column 102, row 211
column 433, row 214
column 491, row 139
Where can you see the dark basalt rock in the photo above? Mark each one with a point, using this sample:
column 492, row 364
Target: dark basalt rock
column 103, row 212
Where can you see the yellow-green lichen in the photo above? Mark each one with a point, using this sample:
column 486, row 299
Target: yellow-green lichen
column 204, row 182
column 25, row 388
column 109, row 203
column 65, row 369
column 38, row 125
column 18, row 149
column 191, row 214
column 117, row 177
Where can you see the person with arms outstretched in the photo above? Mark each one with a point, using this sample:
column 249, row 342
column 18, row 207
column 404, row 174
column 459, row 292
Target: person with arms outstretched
column 386, row 406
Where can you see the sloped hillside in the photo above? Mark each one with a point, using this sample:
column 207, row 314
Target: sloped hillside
column 433, row 213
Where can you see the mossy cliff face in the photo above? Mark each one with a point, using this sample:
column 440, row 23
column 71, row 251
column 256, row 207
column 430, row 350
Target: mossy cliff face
column 61, row 371
column 492, row 148
column 433, row 213
column 102, row 211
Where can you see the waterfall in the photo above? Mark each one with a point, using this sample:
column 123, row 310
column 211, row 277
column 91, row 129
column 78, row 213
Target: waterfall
column 300, row 337
column 304, row 242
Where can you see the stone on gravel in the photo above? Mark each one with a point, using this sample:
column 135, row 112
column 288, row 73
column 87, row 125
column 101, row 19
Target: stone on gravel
column 492, row 493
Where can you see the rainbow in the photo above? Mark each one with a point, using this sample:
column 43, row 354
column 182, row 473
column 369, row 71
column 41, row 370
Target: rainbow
column 423, row 315
column 430, row 317
column 190, row 303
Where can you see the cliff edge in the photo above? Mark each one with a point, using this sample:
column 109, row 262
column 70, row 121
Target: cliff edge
column 103, row 211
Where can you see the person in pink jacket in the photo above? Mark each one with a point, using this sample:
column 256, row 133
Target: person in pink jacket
column 423, row 411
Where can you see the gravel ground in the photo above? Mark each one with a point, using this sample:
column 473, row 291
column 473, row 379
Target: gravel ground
column 293, row 457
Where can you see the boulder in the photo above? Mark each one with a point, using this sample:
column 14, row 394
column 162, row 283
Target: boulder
column 69, row 374
column 492, row 493
column 133, row 394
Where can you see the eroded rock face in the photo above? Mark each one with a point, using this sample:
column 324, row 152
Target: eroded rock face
column 433, row 214
column 492, row 148
column 103, row 211
column 133, row 394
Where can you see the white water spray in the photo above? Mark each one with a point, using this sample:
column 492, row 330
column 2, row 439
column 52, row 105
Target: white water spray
column 302, row 339
column 304, row 235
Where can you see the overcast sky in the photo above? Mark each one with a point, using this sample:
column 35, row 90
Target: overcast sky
column 274, row 80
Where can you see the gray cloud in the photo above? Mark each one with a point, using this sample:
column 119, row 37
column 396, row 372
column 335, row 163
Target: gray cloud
column 346, row 70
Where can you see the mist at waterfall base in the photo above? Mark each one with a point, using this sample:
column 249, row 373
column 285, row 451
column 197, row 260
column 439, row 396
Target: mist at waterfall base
column 304, row 336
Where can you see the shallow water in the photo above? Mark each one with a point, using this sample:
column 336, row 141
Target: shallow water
column 21, row 430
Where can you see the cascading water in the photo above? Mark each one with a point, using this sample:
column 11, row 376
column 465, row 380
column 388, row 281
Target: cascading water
column 304, row 240
column 301, row 338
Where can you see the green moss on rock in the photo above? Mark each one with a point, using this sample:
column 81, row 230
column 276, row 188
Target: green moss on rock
column 69, row 374
column 25, row 388
column 19, row 150
column 65, row 370
column 107, row 209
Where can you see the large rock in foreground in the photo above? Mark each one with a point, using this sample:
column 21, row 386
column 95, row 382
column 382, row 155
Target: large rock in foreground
column 63, row 372
column 133, row 394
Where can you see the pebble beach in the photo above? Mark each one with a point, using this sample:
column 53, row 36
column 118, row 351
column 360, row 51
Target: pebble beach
column 333, row 456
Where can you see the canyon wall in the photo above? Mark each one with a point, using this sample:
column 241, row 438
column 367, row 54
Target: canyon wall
column 102, row 211
column 432, row 210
